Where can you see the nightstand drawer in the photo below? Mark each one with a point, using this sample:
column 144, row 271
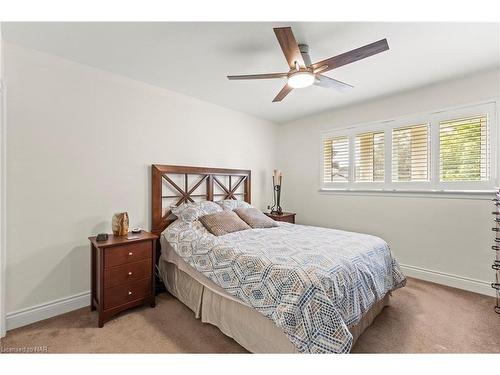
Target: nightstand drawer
column 120, row 295
column 126, row 273
column 114, row 256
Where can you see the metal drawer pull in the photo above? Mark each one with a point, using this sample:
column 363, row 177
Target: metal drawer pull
column 497, row 239
column 130, row 273
column 129, row 293
column 130, row 253
column 495, row 247
column 495, row 286
column 496, row 266
column 495, row 229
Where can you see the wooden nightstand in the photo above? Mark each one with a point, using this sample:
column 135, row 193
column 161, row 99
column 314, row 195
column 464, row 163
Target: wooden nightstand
column 289, row 217
column 122, row 273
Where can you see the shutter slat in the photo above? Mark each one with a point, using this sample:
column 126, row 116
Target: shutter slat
column 336, row 159
column 463, row 149
column 410, row 153
column 369, row 161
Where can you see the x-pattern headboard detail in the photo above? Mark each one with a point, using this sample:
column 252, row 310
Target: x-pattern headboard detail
column 232, row 184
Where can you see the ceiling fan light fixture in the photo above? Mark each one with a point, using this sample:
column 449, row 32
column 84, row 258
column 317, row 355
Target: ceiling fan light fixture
column 303, row 72
column 299, row 80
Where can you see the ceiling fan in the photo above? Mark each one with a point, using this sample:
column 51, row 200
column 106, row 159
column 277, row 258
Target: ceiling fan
column 303, row 73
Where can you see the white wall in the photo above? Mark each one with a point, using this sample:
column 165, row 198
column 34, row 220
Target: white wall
column 443, row 236
column 80, row 145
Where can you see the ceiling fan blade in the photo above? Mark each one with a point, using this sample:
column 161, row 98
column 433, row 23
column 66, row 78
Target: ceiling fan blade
column 330, row 83
column 351, row 56
column 258, row 76
column 289, row 46
column 284, row 92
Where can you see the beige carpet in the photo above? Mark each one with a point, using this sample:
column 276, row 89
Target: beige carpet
column 423, row 318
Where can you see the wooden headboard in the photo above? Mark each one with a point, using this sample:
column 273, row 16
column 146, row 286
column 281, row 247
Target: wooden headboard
column 173, row 184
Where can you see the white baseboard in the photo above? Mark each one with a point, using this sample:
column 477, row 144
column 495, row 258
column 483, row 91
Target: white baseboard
column 47, row 310
column 455, row 281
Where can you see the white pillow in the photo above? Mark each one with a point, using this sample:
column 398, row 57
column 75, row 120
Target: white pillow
column 233, row 204
column 189, row 212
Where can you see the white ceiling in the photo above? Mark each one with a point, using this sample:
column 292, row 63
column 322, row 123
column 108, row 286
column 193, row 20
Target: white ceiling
column 194, row 58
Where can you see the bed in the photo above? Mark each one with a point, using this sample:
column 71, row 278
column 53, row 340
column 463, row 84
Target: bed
column 289, row 289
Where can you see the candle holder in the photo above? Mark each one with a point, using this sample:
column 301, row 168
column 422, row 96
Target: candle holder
column 276, row 208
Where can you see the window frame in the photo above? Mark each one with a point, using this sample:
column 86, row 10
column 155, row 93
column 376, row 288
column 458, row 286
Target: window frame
column 432, row 119
column 493, row 134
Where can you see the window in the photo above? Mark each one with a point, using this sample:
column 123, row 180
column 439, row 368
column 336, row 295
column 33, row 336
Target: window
column 410, row 153
column 369, row 165
column 440, row 151
column 463, row 149
column 336, row 159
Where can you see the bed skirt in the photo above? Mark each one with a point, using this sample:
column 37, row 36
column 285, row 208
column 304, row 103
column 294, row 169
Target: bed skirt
column 246, row 326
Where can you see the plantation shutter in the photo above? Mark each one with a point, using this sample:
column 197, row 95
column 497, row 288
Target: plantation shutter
column 336, row 159
column 410, row 153
column 464, row 149
column 369, row 163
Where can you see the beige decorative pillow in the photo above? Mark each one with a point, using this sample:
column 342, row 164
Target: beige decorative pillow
column 255, row 218
column 224, row 222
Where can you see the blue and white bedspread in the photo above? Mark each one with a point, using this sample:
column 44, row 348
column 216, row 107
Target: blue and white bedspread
column 311, row 282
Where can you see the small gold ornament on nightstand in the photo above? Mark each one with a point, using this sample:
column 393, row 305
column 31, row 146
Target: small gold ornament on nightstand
column 120, row 224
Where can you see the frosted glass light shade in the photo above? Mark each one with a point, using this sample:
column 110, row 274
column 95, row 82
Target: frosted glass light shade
column 301, row 79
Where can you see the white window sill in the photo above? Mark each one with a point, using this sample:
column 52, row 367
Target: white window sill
column 449, row 194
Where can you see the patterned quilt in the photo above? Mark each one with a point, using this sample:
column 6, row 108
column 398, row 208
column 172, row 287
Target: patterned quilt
column 312, row 282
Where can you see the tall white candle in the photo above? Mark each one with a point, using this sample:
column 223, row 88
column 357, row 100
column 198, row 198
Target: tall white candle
column 277, row 177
